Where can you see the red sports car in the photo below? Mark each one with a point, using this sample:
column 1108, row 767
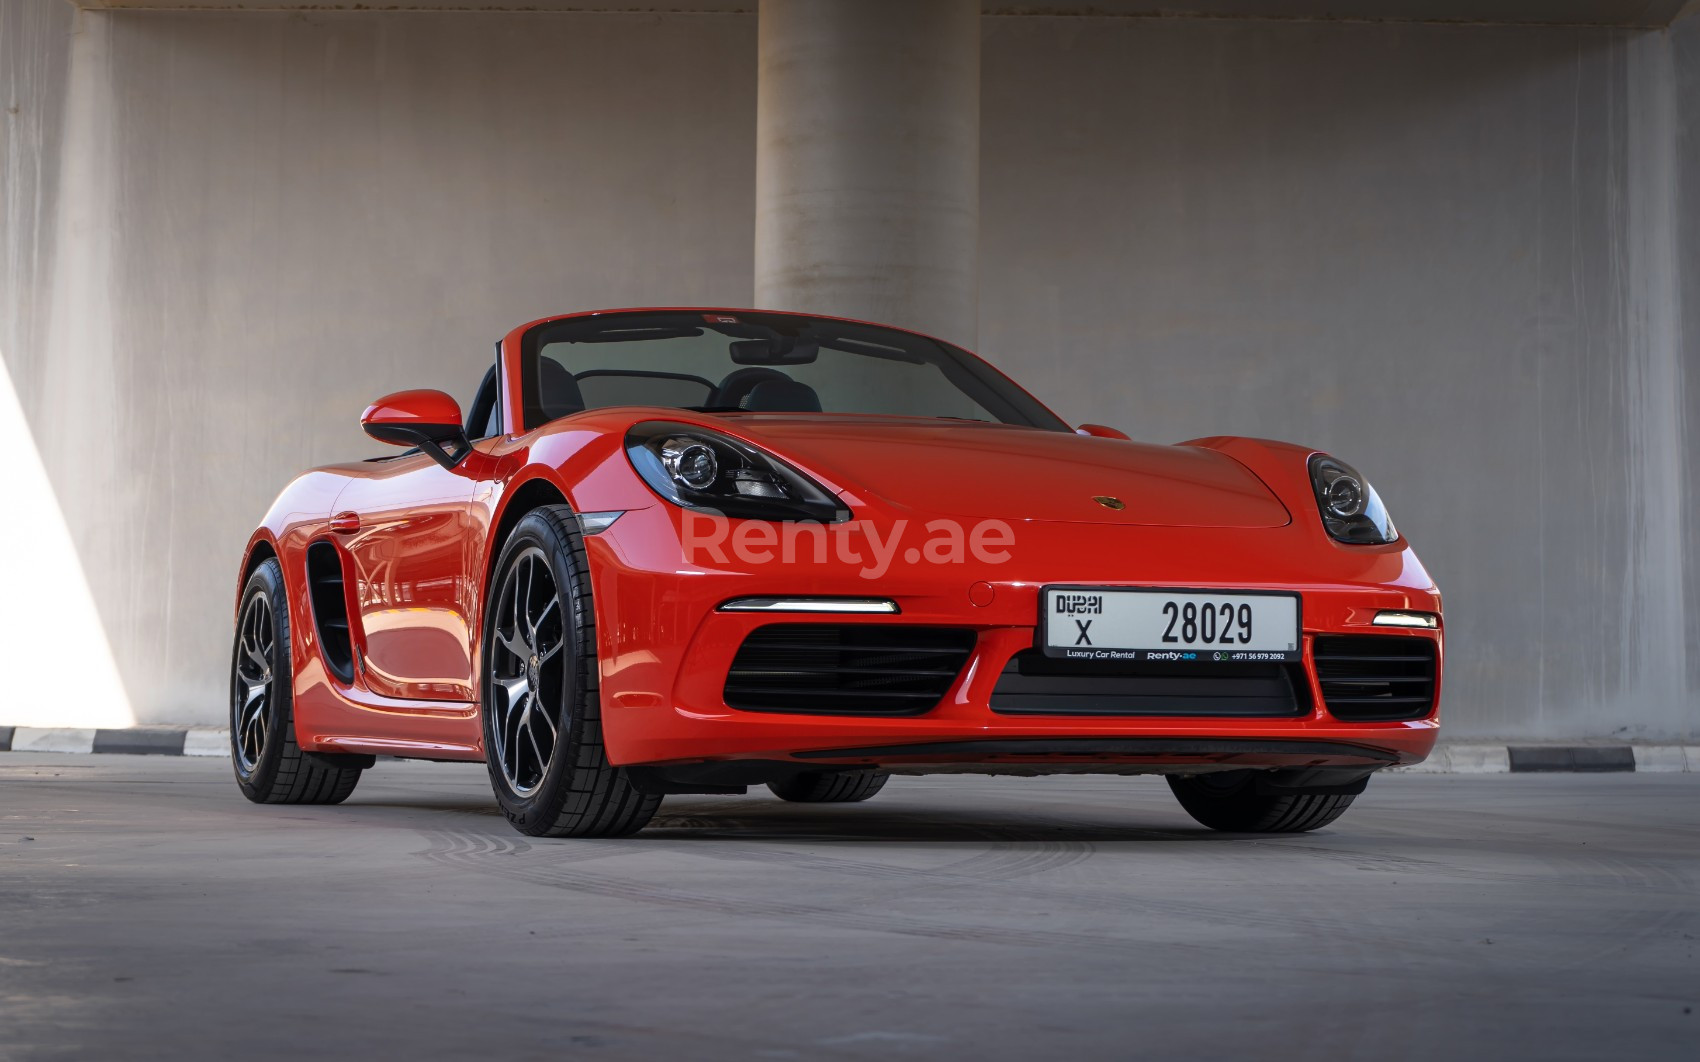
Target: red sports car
column 696, row 550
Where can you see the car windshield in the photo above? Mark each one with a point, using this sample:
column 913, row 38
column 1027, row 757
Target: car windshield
column 760, row 363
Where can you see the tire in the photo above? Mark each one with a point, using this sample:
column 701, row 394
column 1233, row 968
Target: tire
column 541, row 706
column 1232, row 802
column 829, row 787
column 270, row 766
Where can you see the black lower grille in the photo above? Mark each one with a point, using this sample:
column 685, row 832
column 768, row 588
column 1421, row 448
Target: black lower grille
column 1376, row 678
column 1034, row 684
column 862, row 668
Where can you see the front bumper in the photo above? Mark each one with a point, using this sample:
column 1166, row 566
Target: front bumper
column 665, row 651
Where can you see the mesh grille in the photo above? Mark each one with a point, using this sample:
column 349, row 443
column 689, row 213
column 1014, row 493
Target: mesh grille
column 863, row 669
column 1034, row 684
column 1376, row 678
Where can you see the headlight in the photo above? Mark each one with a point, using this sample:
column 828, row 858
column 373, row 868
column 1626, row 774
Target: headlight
column 691, row 463
column 1351, row 510
column 704, row 470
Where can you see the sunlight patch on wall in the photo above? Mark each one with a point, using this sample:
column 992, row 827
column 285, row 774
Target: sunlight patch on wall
column 56, row 667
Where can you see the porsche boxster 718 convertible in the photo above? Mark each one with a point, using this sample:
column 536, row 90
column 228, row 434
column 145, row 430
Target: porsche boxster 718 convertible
column 697, row 550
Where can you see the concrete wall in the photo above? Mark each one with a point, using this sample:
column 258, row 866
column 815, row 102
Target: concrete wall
column 1413, row 246
column 1449, row 254
column 273, row 219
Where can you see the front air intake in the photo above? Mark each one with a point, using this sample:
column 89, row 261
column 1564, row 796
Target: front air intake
column 848, row 669
column 1034, row 684
column 1377, row 679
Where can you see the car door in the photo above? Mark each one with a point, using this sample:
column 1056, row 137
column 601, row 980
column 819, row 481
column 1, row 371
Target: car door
column 407, row 528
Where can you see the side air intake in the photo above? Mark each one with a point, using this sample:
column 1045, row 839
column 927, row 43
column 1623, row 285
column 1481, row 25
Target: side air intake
column 330, row 609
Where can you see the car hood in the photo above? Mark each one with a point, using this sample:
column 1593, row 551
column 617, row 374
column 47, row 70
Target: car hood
column 997, row 471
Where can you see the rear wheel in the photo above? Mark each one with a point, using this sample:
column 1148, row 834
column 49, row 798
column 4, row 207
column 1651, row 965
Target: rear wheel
column 542, row 706
column 829, row 787
column 270, row 766
column 1233, row 802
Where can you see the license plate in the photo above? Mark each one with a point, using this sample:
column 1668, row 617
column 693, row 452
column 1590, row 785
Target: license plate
column 1185, row 626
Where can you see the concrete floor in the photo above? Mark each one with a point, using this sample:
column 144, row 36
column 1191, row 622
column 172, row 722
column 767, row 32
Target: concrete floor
column 156, row 914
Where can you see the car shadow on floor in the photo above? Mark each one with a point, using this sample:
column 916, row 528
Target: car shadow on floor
column 770, row 821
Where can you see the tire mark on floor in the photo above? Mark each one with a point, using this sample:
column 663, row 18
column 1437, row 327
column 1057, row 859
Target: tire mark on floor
column 1013, row 851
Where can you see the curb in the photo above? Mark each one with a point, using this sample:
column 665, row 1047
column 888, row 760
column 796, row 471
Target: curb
column 1549, row 759
column 1446, row 759
column 133, row 741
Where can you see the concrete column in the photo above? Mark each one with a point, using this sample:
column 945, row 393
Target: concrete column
column 69, row 476
column 1655, row 624
column 867, row 161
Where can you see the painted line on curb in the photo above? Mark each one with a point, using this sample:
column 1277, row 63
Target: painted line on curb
column 1463, row 759
column 1583, row 758
column 206, row 743
column 1667, row 758
column 51, row 739
column 140, row 741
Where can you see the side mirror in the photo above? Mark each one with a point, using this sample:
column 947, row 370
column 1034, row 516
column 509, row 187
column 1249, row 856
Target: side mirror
column 430, row 420
column 1102, row 431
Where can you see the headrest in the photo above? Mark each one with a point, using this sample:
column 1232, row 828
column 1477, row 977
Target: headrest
column 783, row 396
column 736, row 387
column 557, row 392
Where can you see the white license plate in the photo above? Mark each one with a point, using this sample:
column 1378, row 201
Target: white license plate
column 1186, row 626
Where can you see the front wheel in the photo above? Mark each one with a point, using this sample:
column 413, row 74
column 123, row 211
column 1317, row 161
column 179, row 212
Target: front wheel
column 1233, row 802
column 270, row 767
column 542, row 707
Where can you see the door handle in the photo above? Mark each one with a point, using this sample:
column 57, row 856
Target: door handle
column 345, row 523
